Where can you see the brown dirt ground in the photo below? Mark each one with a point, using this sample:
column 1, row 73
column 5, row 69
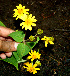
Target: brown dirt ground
column 54, row 19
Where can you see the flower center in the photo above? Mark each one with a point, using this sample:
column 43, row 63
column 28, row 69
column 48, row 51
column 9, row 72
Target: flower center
column 31, row 69
column 34, row 56
column 20, row 11
column 27, row 21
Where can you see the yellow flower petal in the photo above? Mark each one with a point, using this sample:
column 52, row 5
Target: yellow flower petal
column 46, row 43
column 33, row 24
column 29, row 57
column 44, row 38
column 51, row 42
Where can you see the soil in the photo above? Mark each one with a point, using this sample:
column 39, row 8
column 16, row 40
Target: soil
column 53, row 17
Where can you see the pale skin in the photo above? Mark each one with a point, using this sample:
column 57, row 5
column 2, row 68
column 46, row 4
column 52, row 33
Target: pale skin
column 4, row 32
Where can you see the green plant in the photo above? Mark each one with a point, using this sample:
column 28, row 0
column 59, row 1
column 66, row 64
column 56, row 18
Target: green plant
column 24, row 47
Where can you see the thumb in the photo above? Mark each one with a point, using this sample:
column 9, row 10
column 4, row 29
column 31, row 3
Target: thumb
column 8, row 46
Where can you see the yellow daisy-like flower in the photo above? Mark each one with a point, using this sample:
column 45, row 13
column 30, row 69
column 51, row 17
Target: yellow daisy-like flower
column 31, row 68
column 20, row 11
column 34, row 55
column 48, row 40
column 28, row 21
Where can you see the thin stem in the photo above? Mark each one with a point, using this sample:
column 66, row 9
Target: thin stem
column 35, row 35
column 32, row 63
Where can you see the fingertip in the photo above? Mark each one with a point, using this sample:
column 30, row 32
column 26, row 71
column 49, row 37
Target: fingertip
column 3, row 56
column 8, row 54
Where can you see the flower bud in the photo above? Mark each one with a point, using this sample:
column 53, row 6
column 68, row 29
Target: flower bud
column 39, row 31
column 31, row 38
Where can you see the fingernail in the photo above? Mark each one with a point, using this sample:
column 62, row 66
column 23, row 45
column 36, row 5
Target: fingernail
column 15, row 45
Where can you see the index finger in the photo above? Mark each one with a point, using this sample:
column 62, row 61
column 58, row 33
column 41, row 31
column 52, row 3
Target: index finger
column 4, row 31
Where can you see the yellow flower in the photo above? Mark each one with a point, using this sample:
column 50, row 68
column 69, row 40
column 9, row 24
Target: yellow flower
column 20, row 11
column 34, row 55
column 31, row 68
column 48, row 40
column 29, row 20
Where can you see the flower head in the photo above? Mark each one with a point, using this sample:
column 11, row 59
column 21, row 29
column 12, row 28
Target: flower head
column 48, row 40
column 34, row 55
column 20, row 11
column 39, row 31
column 28, row 21
column 31, row 68
column 38, row 63
column 31, row 38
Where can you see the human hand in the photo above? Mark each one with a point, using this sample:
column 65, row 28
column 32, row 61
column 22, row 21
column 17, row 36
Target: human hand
column 7, row 45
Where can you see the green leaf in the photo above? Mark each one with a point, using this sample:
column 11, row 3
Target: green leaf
column 38, row 39
column 16, row 55
column 1, row 24
column 12, row 61
column 17, row 36
column 22, row 50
